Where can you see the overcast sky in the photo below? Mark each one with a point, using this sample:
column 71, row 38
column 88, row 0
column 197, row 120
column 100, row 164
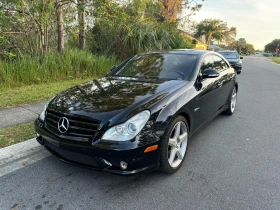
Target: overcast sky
column 258, row 21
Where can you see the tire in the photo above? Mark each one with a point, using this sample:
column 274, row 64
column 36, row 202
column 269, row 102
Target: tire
column 239, row 70
column 231, row 102
column 172, row 147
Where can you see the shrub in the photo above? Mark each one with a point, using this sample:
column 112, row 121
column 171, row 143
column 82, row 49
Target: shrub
column 73, row 64
column 123, row 30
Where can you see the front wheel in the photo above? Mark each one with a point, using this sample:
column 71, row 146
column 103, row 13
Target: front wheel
column 174, row 145
column 232, row 102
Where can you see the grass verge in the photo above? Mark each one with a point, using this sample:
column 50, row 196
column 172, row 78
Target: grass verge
column 276, row 60
column 34, row 93
column 16, row 134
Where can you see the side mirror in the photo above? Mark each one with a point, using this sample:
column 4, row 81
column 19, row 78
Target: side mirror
column 210, row 73
column 113, row 68
column 241, row 57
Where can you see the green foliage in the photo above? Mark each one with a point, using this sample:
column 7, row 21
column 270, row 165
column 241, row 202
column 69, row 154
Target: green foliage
column 28, row 37
column 36, row 92
column 271, row 47
column 276, row 60
column 16, row 134
column 30, row 27
column 215, row 29
column 242, row 46
column 4, row 43
column 182, row 42
column 194, row 41
column 249, row 48
column 53, row 67
column 125, row 30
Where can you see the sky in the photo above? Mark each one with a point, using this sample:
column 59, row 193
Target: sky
column 258, row 21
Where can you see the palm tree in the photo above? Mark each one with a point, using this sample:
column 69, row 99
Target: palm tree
column 214, row 29
column 230, row 35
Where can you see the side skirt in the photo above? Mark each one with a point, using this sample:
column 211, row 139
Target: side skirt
column 210, row 119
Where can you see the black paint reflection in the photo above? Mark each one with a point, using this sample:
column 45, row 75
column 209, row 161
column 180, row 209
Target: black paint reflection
column 103, row 95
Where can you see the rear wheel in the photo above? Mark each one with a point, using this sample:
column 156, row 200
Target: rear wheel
column 232, row 102
column 174, row 145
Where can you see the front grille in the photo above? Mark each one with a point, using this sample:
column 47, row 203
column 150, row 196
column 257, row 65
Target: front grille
column 79, row 127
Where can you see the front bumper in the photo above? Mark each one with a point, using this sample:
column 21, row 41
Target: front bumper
column 236, row 66
column 102, row 155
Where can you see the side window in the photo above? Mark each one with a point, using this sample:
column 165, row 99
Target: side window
column 208, row 63
column 218, row 63
column 224, row 64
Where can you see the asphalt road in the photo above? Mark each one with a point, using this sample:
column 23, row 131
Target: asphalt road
column 233, row 163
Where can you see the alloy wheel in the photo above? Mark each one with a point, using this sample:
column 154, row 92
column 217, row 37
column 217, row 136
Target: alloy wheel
column 233, row 100
column 177, row 145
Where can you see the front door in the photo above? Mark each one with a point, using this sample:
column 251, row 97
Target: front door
column 209, row 92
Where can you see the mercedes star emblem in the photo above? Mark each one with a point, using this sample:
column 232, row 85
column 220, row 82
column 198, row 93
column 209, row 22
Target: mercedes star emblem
column 63, row 125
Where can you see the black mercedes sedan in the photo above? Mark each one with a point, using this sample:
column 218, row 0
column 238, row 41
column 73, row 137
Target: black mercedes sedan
column 140, row 116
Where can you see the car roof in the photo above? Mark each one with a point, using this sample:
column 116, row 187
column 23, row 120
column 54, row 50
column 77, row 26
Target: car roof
column 182, row 51
column 227, row 51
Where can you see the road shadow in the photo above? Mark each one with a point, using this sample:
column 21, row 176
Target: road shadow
column 53, row 184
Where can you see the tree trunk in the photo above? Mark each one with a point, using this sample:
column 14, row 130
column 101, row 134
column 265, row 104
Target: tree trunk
column 82, row 25
column 60, row 27
column 42, row 41
column 44, row 31
column 208, row 39
column 46, row 39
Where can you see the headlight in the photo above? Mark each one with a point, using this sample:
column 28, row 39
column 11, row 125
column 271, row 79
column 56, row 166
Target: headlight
column 43, row 113
column 129, row 129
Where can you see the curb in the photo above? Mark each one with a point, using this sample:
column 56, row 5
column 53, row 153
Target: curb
column 20, row 155
column 277, row 64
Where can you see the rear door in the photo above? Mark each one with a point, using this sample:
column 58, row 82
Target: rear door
column 224, row 82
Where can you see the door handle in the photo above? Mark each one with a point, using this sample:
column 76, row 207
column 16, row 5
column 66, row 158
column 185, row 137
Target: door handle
column 219, row 84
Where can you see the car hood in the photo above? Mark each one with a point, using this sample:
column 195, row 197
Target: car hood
column 112, row 97
column 233, row 60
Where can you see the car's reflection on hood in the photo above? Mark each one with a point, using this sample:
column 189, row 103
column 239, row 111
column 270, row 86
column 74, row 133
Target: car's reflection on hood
column 111, row 95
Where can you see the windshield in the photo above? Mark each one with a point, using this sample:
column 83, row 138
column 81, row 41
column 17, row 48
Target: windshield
column 159, row 66
column 230, row 55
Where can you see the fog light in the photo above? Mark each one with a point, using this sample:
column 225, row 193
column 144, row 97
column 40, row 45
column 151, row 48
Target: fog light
column 123, row 165
column 37, row 135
